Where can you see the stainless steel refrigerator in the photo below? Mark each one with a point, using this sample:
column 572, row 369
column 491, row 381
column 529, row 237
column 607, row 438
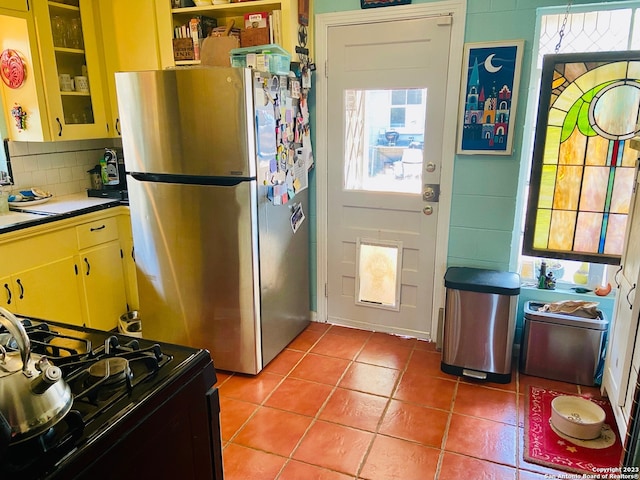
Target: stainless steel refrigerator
column 220, row 263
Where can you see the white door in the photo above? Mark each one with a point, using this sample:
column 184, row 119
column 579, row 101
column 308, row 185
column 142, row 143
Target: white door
column 387, row 99
column 624, row 329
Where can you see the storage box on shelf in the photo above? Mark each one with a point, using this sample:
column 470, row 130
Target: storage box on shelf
column 265, row 58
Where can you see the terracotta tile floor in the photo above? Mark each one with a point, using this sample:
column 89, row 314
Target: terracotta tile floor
column 341, row 403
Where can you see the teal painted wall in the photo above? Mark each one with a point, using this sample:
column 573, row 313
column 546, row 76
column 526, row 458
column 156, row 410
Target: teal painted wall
column 483, row 231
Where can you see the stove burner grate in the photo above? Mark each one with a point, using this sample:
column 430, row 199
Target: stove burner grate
column 106, row 374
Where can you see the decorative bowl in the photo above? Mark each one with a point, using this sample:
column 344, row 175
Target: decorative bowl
column 577, row 417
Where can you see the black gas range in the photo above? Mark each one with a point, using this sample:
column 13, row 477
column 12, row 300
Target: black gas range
column 141, row 409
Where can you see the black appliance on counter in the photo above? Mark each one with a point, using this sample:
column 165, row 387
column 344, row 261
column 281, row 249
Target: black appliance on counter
column 140, row 409
column 111, row 176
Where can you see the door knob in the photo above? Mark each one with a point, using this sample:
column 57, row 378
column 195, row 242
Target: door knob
column 428, row 210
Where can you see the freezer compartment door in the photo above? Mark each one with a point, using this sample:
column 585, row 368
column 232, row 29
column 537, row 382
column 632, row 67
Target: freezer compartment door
column 196, row 261
column 284, row 272
column 188, row 121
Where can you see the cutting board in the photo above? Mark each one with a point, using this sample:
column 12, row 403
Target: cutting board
column 215, row 50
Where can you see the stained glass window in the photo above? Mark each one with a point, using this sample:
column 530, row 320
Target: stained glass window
column 583, row 167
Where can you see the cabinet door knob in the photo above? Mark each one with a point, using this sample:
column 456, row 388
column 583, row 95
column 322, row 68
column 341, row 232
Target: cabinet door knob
column 88, row 265
column 118, row 126
column 21, row 289
column 59, row 126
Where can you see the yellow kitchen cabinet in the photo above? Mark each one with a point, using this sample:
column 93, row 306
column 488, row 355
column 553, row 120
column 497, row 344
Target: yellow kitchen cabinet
column 130, row 42
column 71, row 270
column 103, row 285
column 18, row 34
column 40, row 275
column 128, row 256
column 101, row 271
column 49, row 291
column 225, row 13
column 72, row 69
column 20, row 5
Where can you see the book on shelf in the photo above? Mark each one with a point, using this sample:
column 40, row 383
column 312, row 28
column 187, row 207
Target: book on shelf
column 194, row 24
column 276, row 20
column 204, row 24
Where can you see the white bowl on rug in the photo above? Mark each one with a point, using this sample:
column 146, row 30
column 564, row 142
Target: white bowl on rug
column 577, row 417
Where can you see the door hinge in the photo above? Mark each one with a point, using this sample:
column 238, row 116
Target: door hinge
column 326, row 69
column 326, row 291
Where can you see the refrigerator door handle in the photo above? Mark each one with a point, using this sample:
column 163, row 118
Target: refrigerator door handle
column 189, row 179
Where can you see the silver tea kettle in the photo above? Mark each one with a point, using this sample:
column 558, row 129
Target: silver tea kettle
column 33, row 394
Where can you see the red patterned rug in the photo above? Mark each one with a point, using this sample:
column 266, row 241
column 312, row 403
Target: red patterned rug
column 544, row 445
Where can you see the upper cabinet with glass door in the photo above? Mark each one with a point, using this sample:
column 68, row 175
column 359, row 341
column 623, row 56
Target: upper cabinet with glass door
column 71, row 68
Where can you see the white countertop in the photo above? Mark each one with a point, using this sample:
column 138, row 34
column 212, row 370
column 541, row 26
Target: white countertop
column 65, row 204
column 11, row 218
column 27, row 214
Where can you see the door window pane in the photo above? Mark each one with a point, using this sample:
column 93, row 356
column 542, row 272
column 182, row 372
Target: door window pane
column 384, row 140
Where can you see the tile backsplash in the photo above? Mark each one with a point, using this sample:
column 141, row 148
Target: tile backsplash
column 56, row 167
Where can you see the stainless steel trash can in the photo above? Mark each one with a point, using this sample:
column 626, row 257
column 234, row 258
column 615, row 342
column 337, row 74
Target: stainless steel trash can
column 479, row 323
column 563, row 346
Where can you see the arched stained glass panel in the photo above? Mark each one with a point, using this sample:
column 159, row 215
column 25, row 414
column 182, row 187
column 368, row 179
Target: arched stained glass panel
column 583, row 169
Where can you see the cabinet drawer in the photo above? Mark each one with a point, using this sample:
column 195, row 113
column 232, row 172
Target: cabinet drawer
column 94, row 233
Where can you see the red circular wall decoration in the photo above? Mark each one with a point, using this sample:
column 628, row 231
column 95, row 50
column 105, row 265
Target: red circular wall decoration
column 13, row 70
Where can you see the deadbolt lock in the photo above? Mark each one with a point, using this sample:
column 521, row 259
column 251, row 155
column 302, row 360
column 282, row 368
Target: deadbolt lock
column 428, row 210
column 431, row 167
column 431, row 192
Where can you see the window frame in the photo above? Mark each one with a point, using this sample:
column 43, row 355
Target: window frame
column 518, row 256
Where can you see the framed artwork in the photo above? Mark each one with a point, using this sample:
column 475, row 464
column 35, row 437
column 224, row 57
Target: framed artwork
column 488, row 99
column 583, row 168
column 382, row 3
